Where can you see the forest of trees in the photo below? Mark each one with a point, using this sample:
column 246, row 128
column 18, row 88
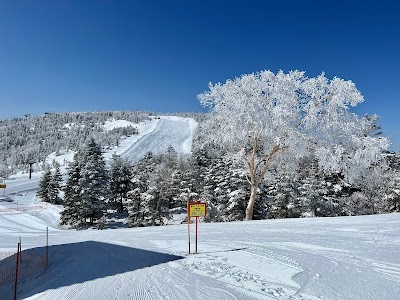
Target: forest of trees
column 156, row 187
column 272, row 146
column 31, row 139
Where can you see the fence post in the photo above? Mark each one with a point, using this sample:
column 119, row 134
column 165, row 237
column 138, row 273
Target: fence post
column 16, row 273
column 20, row 250
column 47, row 246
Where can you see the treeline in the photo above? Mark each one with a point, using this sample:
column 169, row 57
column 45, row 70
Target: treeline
column 33, row 138
column 154, row 189
column 149, row 192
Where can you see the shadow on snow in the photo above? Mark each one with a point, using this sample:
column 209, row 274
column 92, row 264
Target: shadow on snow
column 79, row 262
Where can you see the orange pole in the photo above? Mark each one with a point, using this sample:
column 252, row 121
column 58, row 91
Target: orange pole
column 188, row 221
column 197, row 230
column 197, row 224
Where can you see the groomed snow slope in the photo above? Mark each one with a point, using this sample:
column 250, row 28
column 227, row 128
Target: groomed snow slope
column 173, row 131
column 320, row 258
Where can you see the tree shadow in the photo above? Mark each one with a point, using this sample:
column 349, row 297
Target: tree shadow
column 70, row 264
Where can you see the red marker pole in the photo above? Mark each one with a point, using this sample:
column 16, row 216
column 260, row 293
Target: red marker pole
column 197, row 230
column 197, row 224
column 16, row 273
column 188, row 220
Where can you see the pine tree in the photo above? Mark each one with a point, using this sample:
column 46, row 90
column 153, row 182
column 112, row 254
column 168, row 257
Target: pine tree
column 310, row 190
column 44, row 186
column 167, row 191
column 134, row 207
column 283, row 204
column 93, row 182
column 86, row 187
column 141, row 198
column 120, row 181
column 237, row 198
column 72, row 213
column 170, row 158
column 55, row 185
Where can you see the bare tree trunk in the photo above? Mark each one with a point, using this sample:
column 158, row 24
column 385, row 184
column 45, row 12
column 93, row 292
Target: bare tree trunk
column 250, row 204
column 257, row 172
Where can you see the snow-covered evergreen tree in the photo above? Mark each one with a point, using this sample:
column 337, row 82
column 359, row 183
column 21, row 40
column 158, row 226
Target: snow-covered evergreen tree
column 284, row 203
column 93, row 182
column 44, row 186
column 120, row 181
column 237, row 197
column 167, row 189
column 391, row 195
column 141, row 198
column 55, row 185
column 72, row 213
column 309, row 188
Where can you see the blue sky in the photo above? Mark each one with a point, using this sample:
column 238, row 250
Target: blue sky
column 60, row 56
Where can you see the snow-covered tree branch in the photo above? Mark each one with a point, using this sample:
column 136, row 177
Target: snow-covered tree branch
column 264, row 116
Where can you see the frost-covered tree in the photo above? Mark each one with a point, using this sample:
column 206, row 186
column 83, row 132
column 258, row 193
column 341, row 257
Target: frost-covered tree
column 120, row 181
column 170, row 158
column 268, row 118
column 50, row 185
column 285, row 203
column 55, row 185
column 167, row 187
column 86, row 189
column 392, row 194
column 141, row 197
column 93, row 182
column 44, row 186
column 72, row 213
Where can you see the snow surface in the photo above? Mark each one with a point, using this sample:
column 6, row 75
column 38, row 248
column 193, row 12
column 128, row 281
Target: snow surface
column 63, row 158
column 112, row 124
column 174, row 131
column 312, row 258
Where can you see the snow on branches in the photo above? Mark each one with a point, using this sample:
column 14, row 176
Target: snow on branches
column 265, row 116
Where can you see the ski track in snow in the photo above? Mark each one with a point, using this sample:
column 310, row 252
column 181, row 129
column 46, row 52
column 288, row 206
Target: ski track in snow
column 252, row 260
column 299, row 259
column 174, row 132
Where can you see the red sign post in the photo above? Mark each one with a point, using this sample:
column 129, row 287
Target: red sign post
column 195, row 209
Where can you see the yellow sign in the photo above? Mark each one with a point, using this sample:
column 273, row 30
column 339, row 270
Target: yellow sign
column 197, row 209
column 2, row 186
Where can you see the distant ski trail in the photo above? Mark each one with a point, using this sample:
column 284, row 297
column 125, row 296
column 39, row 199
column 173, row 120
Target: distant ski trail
column 172, row 132
column 21, row 186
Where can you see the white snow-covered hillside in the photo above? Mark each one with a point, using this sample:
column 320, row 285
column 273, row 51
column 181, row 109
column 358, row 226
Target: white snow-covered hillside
column 174, row 131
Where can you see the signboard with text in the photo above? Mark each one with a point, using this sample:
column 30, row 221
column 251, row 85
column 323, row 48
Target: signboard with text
column 197, row 209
